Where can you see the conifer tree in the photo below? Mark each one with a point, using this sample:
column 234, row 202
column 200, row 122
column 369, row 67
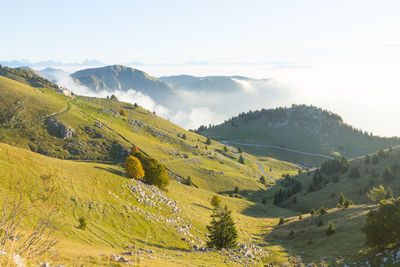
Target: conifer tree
column 241, row 159
column 208, row 141
column 225, row 149
column 281, row 221
column 340, row 201
column 239, row 149
column 189, row 181
column 222, row 230
column 331, row 229
column 262, row 179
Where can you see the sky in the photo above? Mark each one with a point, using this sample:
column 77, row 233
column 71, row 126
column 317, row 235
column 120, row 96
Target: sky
column 342, row 55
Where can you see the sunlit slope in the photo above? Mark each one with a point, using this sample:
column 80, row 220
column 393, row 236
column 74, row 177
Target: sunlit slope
column 117, row 216
column 21, row 102
column 97, row 131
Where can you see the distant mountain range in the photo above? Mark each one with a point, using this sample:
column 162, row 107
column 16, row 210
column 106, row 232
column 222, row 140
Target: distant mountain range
column 50, row 63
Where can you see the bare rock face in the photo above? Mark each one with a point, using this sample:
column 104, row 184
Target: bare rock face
column 60, row 129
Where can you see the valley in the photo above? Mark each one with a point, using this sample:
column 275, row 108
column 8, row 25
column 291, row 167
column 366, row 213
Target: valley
column 78, row 146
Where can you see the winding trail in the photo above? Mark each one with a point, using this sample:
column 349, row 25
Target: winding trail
column 263, row 172
column 281, row 148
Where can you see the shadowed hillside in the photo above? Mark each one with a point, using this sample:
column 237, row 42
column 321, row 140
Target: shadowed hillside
column 301, row 133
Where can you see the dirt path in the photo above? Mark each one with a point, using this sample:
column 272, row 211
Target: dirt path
column 263, row 172
column 281, row 148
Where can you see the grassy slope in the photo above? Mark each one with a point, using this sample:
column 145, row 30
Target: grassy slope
column 300, row 128
column 110, row 225
column 209, row 168
column 348, row 240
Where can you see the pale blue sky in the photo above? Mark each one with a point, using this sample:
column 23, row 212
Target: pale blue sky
column 216, row 31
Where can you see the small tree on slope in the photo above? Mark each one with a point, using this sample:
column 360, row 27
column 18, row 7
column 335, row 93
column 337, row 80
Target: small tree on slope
column 134, row 168
column 222, row 230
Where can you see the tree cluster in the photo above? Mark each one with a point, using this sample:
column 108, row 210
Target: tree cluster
column 382, row 228
column 154, row 172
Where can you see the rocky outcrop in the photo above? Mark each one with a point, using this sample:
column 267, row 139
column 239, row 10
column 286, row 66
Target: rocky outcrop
column 59, row 129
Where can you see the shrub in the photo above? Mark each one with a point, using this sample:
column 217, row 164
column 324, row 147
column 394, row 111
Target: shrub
column 320, row 223
column 281, row 221
column 189, row 181
column 123, row 113
column 225, row 149
column 236, row 190
column 382, row 228
column 355, row 172
column 262, row 180
column 300, row 216
column 322, row 210
column 134, row 168
column 264, row 200
column 375, row 160
column 208, row 141
column 340, row 201
column 377, row 194
column 331, row 229
column 348, row 203
column 82, row 223
column 387, row 175
column 215, row 201
column 312, row 212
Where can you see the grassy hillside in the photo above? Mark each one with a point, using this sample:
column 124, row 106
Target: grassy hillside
column 92, row 129
column 301, row 133
column 371, row 175
column 26, row 76
column 118, row 216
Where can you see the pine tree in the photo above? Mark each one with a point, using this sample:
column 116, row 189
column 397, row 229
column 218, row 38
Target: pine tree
column 239, row 149
column 236, row 190
column 264, row 200
column 208, row 141
column 331, row 229
column 225, row 149
column 281, row 221
column 300, row 216
column 389, row 193
column 262, row 180
column 340, row 201
column 387, row 175
column 189, row 181
column 134, row 168
column 184, row 136
column 222, row 230
column 241, row 159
